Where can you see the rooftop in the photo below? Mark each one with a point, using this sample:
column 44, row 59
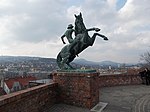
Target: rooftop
column 134, row 98
column 22, row 80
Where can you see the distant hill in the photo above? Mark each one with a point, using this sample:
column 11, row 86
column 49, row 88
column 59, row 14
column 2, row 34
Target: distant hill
column 24, row 58
column 14, row 59
column 102, row 63
column 85, row 62
column 108, row 63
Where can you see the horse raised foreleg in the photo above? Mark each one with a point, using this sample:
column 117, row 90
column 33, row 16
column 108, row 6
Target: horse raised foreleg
column 103, row 36
column 94, row 36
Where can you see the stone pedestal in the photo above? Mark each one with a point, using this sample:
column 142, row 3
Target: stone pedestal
column 79, row 89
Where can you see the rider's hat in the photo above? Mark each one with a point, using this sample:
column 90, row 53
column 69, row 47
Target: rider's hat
column 70, row 26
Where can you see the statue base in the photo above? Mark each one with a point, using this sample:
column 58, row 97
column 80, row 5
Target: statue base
column 79, row 88
column 78, row 71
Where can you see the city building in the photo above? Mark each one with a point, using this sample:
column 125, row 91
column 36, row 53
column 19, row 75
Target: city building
column 15, row 84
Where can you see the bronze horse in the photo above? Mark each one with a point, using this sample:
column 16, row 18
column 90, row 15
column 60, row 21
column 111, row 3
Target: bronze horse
column 82, row 41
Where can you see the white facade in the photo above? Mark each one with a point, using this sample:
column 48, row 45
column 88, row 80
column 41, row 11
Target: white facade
column 6, row 89
column 16, row 87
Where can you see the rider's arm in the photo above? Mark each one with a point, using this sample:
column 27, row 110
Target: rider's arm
column 62, row 38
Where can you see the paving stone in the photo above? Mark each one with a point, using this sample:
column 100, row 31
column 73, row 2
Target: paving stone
column 134, row 98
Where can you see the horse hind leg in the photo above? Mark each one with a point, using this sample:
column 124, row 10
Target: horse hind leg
column 65, row 61
column 69, row 66
column 62, row 60
column 70, row 60
column 59, row 61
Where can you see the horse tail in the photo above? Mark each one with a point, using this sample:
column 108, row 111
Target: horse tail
column 59, row 59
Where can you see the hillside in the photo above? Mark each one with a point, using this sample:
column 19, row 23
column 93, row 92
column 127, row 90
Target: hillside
column 82, row 62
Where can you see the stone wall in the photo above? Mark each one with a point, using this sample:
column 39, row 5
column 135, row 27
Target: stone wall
column 35, row 99
column 79, row 89
column 117, row 80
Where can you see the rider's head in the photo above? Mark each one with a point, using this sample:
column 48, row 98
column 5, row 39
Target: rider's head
column 70, row 26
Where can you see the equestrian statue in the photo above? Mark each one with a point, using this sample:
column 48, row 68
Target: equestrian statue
column 81, row 41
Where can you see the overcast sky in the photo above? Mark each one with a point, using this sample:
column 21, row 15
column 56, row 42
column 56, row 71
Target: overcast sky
column 34, row 27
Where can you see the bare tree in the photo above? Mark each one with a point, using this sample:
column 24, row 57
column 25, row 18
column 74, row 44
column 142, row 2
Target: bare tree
column 146, row 57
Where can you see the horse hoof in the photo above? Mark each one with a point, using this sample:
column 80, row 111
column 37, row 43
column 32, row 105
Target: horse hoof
column 97, row 29
column 105, row 38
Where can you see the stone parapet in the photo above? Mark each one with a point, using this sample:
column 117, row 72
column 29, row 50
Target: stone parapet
column 79, row 89
column 35, row 99
column 117, row 80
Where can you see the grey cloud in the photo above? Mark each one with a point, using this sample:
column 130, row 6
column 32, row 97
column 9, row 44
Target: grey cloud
column 34, row 21
column 37, row 21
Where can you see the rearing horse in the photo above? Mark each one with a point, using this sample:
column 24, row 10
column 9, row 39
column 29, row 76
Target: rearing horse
column 82, row 41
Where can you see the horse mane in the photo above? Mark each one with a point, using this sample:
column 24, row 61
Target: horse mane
column 79, row 25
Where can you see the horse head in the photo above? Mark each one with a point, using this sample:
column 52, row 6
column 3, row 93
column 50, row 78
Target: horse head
column 79, row 25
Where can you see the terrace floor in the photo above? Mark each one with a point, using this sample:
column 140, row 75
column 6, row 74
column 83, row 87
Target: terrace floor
column 134, row 98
